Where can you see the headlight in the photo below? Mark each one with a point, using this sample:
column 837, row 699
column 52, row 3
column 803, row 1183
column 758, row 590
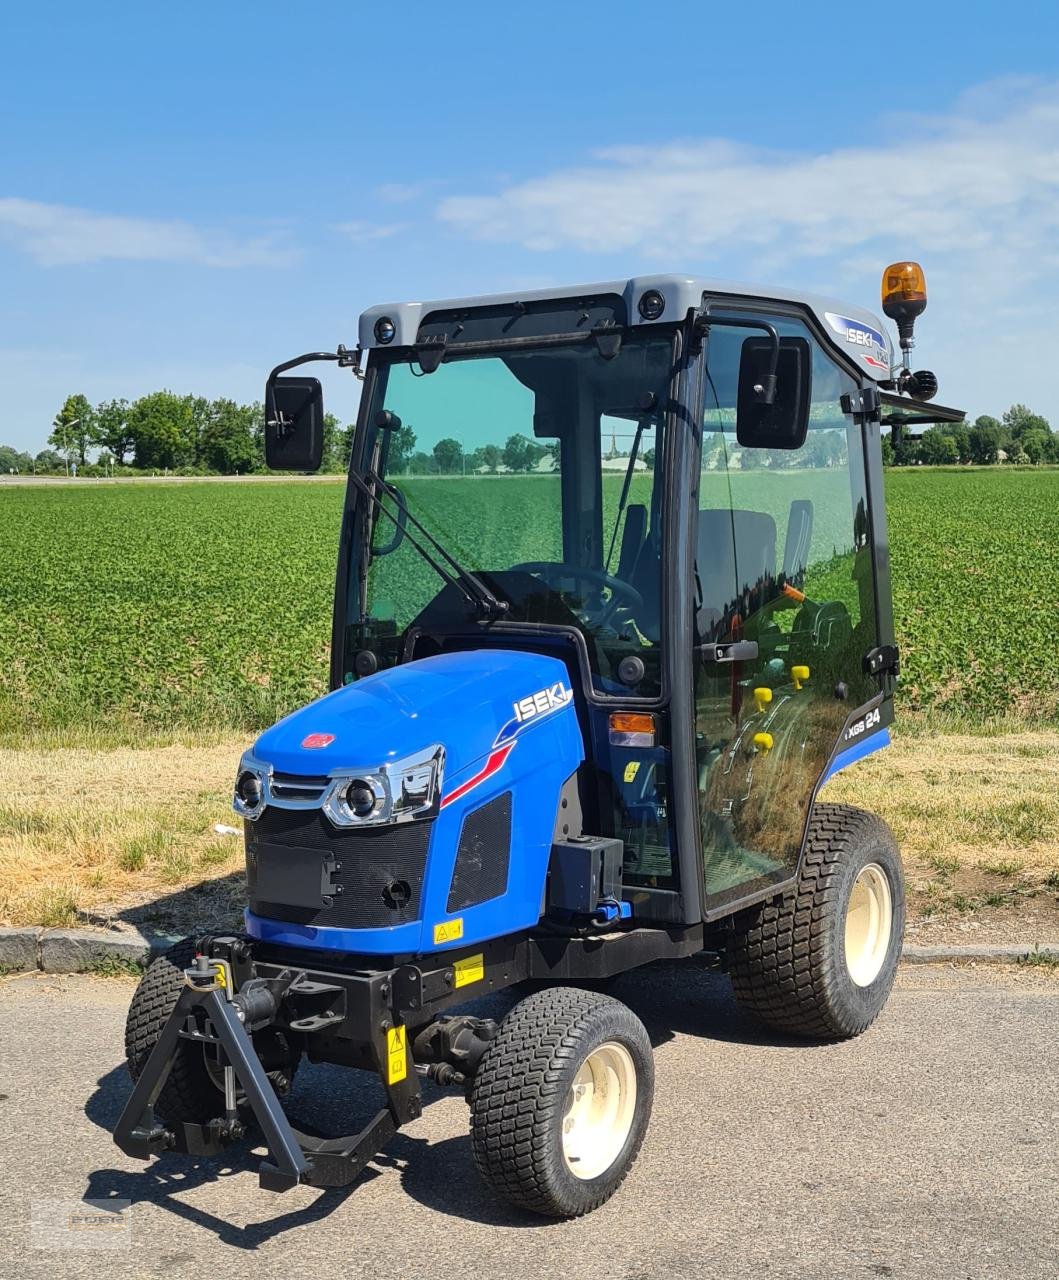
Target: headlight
column 249, row 798
column 351, row 801
column 406, row 789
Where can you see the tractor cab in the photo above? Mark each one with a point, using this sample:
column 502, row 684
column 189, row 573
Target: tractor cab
column 673, row 488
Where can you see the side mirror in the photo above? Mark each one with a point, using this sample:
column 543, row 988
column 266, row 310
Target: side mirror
column 783, row 423
column 294, row 424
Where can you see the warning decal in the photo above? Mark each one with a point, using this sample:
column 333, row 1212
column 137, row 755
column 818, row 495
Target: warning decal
column 469, row 969
column 396, row 1058
column 448, row 931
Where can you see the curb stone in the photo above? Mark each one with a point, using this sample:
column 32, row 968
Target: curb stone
column 997, row 954
column 82, row 950
column 18, row 949
column 76, row 950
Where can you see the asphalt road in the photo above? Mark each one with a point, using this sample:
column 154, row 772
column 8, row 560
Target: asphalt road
column 927, row 1148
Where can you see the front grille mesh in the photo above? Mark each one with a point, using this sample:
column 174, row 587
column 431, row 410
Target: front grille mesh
column 482, row 858
column 381, row 876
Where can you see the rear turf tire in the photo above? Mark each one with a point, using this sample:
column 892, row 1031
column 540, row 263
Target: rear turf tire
column 821, row 962
column 561, row 1100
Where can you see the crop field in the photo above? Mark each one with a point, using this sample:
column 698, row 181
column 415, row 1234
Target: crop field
column 149, row 608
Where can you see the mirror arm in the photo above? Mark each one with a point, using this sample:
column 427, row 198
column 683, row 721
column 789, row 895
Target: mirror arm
column 346, row 358
column 765, row 390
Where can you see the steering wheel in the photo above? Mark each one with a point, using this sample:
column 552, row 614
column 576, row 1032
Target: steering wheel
column 550, row 571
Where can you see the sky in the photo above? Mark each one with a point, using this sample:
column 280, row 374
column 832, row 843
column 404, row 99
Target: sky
column 191, row 194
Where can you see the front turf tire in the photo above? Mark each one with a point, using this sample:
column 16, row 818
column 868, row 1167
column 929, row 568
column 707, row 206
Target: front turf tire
column 188, row 1093
column 809, row 965
column 566, row 1086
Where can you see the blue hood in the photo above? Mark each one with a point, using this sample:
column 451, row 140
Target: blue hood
column 464, row 701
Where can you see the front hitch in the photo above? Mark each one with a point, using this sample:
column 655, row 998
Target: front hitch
column 229, row 1017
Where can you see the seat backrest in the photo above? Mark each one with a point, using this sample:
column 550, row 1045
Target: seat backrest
column 734, row 549
column 632, row 536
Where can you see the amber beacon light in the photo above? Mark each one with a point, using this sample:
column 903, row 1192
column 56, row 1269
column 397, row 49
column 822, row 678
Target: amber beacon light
column 904, row 296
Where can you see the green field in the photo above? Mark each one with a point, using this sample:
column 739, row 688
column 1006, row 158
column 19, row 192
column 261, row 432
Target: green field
column 209, row 605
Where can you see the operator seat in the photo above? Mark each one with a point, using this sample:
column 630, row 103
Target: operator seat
column 632, row 538
column 734, row 550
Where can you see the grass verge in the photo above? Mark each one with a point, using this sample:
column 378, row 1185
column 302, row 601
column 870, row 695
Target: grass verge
column 100, row 831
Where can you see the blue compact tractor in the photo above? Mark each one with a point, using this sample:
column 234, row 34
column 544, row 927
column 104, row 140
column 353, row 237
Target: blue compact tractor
column 612, row 604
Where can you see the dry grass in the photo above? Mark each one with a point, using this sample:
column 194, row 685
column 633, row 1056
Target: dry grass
column 88, row 833
column 977, row 818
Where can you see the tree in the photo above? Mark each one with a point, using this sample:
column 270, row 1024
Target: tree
column 334, row 444
column 73, row 428
column 12, row 459
column 962, row 438
column 937, row 447
column 227, row 442
column 111, row 430
column 486, row 458
column 162, row 429
column 887, row 452
column 402, row 446
column 984, row 441
column 1019, row 420
column 422, row 464
column 199, row 421
column 48, row 460
column 521, row 454
column 448, row 454
column 1035, row 443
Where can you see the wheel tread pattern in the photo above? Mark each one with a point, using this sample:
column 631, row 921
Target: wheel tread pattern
column 519, row 1093
column 188, row 1093
column 779, row 955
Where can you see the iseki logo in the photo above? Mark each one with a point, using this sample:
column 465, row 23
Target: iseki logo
column 541, row 702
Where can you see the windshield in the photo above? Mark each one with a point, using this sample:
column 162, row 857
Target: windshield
column 535, row 471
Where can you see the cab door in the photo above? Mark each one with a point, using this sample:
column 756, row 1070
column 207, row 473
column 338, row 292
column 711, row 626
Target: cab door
column 784, row 614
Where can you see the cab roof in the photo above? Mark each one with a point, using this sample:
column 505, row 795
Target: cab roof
column 856, row 333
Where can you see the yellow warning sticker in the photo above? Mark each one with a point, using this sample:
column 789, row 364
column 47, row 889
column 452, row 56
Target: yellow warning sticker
column 221, row 970
column 396, row 1058
column 448, row 930
column 631, row 770
column 470, row 969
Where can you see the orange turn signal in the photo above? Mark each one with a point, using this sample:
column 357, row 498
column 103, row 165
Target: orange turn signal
column 632, row 729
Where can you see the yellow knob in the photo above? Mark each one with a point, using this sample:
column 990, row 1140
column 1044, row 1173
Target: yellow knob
column 763, row 742
column 762, row 696
column 799, row 675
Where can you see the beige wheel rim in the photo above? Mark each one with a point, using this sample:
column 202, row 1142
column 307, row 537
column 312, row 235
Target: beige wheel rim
column 869, row 923
column 599, row 1110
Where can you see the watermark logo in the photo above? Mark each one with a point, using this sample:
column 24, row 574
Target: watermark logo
column 81, row 1224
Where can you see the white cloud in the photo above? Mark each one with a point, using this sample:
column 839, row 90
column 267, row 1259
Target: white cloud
column 361, row 232
column 973, row 194
column 62, row 235
column 964, row 182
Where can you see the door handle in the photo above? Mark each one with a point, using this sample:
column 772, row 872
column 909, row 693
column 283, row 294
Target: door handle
column 730, row 651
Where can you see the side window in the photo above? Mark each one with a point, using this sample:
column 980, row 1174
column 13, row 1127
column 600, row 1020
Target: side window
column 783, row 559
column 784, row 532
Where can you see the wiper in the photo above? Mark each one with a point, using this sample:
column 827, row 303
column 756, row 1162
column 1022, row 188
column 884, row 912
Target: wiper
column 468, row 584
